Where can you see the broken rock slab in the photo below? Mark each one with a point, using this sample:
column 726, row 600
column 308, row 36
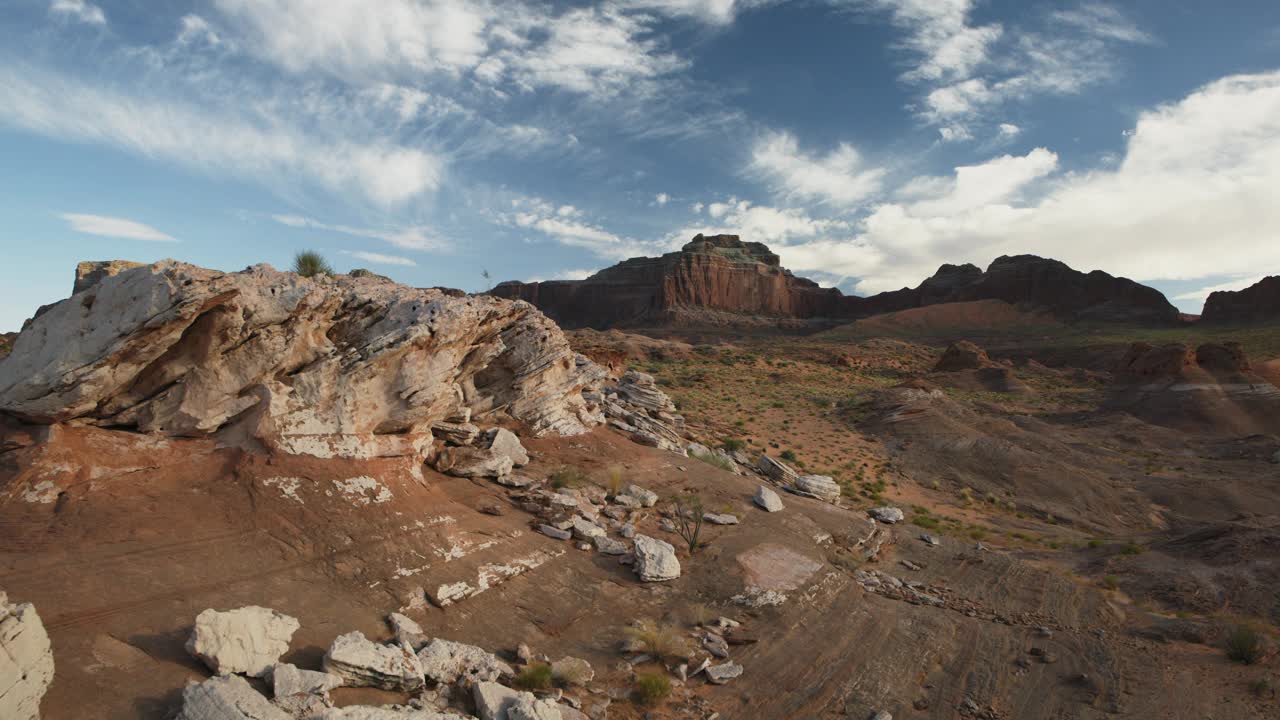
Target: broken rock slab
column 776, row 470
column 721, row 674
column 504, row 442
column 499, row 702
column 473, row 462
column 26, row 661
column 720, row 518
column 288, row 679
column 361, row 662
column 246, row 640
column 768, row 500
column 227, row 697
column 646, row 498
column 448, row 662
column 655, row 560
column 821, row 487
column 407, row 632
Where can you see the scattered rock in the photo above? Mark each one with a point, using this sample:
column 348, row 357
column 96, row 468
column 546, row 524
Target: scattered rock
column 572, row 670
column 646, row 498
column 655, row 560
column 514, row 481
column 504, row 442
column 226, row 697
column 720, row 518
column 882, row 715
column 609, row 546
column 288, row 679
column 721, row 674
column 247, row 640
column 363, row 663
column 888, row 515
column 767, row 499
column 584, row 529
column 555, row 532
column 473, row 462
column 930, row 539
column 821, row 487
column 26, row 661
column 716, row 645
column 909, row 565
column 499, row 702
column 407, row 631
column 445, row 661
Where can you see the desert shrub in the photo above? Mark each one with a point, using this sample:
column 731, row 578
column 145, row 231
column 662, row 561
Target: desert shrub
column 733, row 444
column 688, row 519
column 652, row 687
column 1131, row 548
column 310, row 263
column 615, row 480
column 534, row 677
column 925, row 521
column 1110, row 582
column 1244, row 645
column 567, row 476
column 1096, row 543
column 788, row 455
column 712, row 459
column 977, row 533
column 660, row 641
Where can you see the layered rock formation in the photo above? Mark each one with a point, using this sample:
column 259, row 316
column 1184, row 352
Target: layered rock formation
column 26, row 661
column 720, row 280
column 330, row 366
column 1256, row 303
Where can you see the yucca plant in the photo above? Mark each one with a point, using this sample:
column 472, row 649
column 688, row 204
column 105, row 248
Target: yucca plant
column 310, row 263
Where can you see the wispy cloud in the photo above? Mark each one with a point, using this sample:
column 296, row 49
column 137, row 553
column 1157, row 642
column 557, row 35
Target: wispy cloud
column 379, row 258
column 409, row 238
column 56, row 106
column 115, row 227
column 80, row 10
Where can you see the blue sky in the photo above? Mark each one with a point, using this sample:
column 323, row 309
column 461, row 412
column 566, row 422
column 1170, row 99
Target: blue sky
column 866, row 141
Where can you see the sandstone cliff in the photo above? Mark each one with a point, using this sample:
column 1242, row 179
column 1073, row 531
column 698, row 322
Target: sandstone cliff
column 1258, row 302
column 722, row 280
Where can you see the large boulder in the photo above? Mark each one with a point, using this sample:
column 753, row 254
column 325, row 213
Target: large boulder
column 323, row 366
column 821, row 487
column 26, row 661
column 776, row 470
column 656, row 560
column 227, row 697
column 363, row 663
column 498, row 702
column 767, row 499
column 247, row 640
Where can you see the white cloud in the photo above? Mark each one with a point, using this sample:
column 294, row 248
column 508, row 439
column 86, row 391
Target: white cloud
column 570, row 226
column 195, row 29
column 1237, row 283
column 85, row 12
column 661, row 199
column 379, row 258
column 840, row 178
column 955, row 133
column 409, row 238
column 1009, row 130
column 939, row 33
column 115, row 227
column 576, row 274
column 1193, row 197
column 59, row 107
column 713, row 12
column 697, row 207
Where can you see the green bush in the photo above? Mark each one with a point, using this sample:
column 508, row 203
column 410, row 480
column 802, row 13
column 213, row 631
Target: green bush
column 310, row 263
column 733, row 444
column 788, row 455
column 652, row 687
column 567, row 476
column 1131, row 548
column 1244, row 645
column 660, row 641
column 534, row 677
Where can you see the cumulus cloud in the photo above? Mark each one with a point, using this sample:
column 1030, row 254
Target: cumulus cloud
column 839, row 178
column 409, row 238
column 185, row 134
column 1192, row 197
column 80, row 10
column 661, row 199
column 115, row 227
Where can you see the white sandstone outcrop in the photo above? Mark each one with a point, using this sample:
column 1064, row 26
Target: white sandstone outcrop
column 445, row 661
column 247, row 640
column 227, row 697
column 26, row 661
column 655, row 560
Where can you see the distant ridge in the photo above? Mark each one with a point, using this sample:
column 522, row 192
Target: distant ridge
column 721, row 280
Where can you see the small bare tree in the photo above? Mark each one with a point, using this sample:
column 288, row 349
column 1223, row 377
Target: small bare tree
column 688, row 518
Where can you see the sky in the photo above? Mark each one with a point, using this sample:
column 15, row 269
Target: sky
column 463, row 142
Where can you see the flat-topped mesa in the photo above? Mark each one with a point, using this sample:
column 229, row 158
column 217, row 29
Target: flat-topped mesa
column 1259, row 302
column 719, row 279
column 349, row 366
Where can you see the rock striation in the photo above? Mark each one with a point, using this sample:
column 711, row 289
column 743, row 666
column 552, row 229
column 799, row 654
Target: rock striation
column 719, row 280
column 327, row 366
column 1259, row 302
column 26, row 661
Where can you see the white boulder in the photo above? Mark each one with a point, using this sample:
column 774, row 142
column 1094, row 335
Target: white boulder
column 655, row 560
column 646, row 498
column 448, row 662
column 887, row 515
column 821, row 487
column 26, row 661
column 247, row 640
column 227, row 697
column 768, row 500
